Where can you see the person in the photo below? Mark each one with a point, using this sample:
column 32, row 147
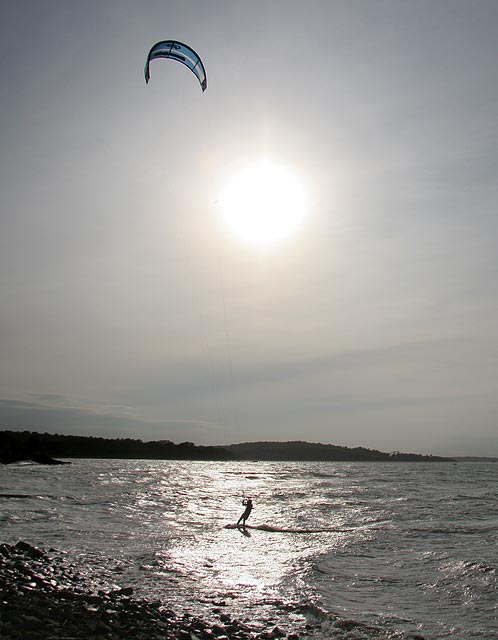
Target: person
column 248, row 508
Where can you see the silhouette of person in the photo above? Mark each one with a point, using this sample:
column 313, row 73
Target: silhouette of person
column 248, row 508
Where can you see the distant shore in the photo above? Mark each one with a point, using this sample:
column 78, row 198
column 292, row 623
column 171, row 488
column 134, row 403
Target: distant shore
column 49, row 448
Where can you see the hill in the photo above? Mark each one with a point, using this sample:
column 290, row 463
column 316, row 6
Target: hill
column 299, row 450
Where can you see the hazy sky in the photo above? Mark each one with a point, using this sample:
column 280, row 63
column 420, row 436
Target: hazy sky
column 128, row 309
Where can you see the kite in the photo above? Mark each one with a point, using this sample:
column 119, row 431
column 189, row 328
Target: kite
column 180, row 52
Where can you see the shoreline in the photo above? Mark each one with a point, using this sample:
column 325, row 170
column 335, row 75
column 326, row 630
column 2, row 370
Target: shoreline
column 45, row 597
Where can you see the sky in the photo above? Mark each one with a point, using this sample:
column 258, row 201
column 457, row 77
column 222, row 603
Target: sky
column 127, row 306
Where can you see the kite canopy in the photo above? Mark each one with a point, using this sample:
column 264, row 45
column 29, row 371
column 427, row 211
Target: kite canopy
column 180, row 52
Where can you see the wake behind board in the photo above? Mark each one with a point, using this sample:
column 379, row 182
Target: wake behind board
column 272, row 529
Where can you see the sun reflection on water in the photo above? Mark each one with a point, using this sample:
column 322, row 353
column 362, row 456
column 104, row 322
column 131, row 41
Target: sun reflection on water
column 159, row 526
column 162, row 523
column 243, row 565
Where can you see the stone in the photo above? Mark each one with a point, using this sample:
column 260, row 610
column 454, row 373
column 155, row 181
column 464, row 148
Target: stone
column 32, row 552
column 218, row 629
column 46, row 598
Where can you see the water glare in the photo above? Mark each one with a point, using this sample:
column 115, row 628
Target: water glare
column 397, row 548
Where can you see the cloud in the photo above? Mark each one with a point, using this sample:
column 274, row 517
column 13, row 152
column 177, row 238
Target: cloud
column 51, row 414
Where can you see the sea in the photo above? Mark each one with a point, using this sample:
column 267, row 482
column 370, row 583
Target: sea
column 338, row 549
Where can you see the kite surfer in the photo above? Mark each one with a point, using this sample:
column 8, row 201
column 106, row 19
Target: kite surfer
column 248, row 508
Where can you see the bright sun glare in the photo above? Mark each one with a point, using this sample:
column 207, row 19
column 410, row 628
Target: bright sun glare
column 263, row 203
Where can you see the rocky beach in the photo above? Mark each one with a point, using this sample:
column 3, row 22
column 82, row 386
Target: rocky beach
column 46, row 597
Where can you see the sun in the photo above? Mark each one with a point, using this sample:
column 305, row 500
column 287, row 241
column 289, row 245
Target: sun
column 263, row 203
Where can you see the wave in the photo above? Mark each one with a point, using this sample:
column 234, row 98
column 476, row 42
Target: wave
column 323, row 625
column 462, row 530
column 471, row 567
column 28, row 496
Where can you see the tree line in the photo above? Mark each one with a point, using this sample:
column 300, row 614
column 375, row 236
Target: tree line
column 29, row 445
column 47, row 448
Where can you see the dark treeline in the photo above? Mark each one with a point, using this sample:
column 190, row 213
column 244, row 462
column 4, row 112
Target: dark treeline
column 46, row 448
column 41, row 447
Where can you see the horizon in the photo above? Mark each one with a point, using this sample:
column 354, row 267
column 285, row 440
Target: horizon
column 307, row 248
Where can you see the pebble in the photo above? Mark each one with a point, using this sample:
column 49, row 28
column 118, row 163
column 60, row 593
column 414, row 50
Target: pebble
column 61, row 604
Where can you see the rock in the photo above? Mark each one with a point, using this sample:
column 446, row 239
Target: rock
column 102, row 627
column 218, row 630
column 32, row 552
column 47, row 597
column 43, row 458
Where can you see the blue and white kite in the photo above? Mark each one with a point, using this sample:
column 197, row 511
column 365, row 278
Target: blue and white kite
column 180, row 52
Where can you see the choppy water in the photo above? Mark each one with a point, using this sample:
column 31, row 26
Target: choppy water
column 415, row 551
